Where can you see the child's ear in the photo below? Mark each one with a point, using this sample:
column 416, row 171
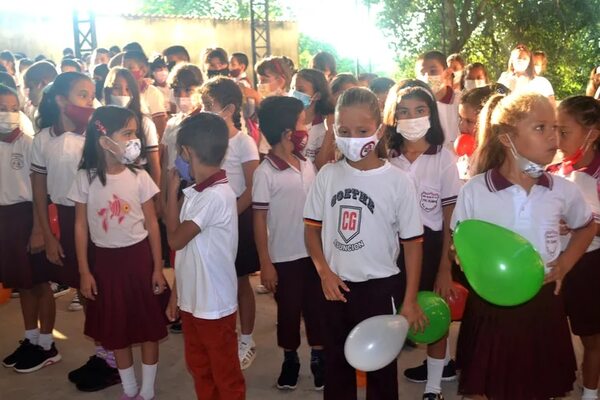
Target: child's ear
column 504, row 139
column 103, row 142
column 61, row 101
column 316, row 97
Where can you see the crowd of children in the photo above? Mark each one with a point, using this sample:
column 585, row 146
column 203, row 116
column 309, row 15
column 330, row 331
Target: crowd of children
column 342, row 191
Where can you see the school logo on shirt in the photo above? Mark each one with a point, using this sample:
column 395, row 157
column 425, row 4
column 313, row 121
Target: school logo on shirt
column 429, row 200
column 551, row 238
column 17, row 161
column 349, row 222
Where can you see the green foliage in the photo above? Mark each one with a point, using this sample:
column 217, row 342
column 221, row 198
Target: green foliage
column 309, row 46
column 486, row 31
column 211, row 8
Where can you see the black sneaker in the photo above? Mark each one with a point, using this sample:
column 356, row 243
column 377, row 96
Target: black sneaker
column 419, row 374
column 35, row 358
column 433, row 396
column 317, row 367
column 288, row 379
column 11, row 360
column 90, row 367
column 97, row 376
column 175, row 327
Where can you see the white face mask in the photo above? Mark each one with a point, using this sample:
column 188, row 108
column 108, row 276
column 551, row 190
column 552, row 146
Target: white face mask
column 128, row 152
column 520, row 65
column 474, row 83
column 538, row 69
column 532, row 169
column 161, row 76
column 435, row 82
column 121, row 101
column 413, row 129
column 184, row 104
column 355, row 149
column 264, row 89
column 457, row 77
column 9, row 121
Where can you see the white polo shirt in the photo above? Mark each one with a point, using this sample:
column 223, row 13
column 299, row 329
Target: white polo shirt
column 152, row 101
column 362, row 214
column 169, row 138
column 448, row 113
column 523, row 84
column 57, row 157
column 535, row 216
column 15, row 165
column 436, row 178
column 316, row 135
column 151, row 136
column 587, row 180
column 240, row 150
column 205, row 267
column 114, row 212
column 26, row 124
column 281, row 190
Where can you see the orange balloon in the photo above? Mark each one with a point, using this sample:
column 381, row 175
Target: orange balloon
column 4, row 294
column 361, row 379
column 53, row 217
column 457, row 303
column 465, row 144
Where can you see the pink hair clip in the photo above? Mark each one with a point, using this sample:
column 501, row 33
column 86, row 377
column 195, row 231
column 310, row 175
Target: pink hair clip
column 100, row 127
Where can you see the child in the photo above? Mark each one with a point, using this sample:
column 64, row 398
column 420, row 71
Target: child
column 525, row 351
column 311, row 88
column 238, row 64
column 22, row 265
column 174, row 55
column 340, row 83
column 281, row 184
column 160, row 73
column 123, row 277
column 36, row 78
column 593, row 86
column 457, row 64
column 325, row 62
column 216, row 62
column 381, row 86
column 353, row 216
column 540, row 62
column 475, row 76
column 578, row 140
column 205, row 237
column 415, row 141
column 222, row 96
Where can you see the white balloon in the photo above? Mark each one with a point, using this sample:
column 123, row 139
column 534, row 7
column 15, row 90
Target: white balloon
column 376, row 342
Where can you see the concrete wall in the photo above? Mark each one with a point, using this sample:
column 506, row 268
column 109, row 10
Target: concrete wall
column 35, row 34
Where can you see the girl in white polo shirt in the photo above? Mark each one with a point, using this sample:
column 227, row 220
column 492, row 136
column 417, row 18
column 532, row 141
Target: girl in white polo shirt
column 122, row 277
column 579, row 141
column 355, row 213
column 223, row 96
column 416, row 139
column 521, row 352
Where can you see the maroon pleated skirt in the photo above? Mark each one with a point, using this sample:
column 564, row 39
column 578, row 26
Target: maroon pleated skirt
column 68, row 274
column 18, row 268
column 246, row 260
column 516, row 353
column 581, row 291
column 126, row 311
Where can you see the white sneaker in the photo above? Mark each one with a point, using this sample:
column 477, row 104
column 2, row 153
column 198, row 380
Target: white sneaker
column 261, row 289
column 75, row 304
column 59, row 290
column 246, row 353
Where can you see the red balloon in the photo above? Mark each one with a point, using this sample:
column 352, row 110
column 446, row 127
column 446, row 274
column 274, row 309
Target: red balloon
column 465, row 144
column 457, row 303
column 53, row 217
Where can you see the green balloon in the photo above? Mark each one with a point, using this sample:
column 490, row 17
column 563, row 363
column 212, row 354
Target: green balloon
column 438, row 313
column 500, row 265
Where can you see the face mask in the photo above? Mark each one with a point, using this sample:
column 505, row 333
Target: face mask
column 9, row 121
column 217, row 72
column 520, row 65
column 457, row 77
column 299, row 139
column 121, row 101
column 538, row 69
column 435, row 82
column 129, row 151
column 355, row 149
column 529, row 167
column 161, row 76
column 264, row 89
column 303, row 97
column 570, row 161
column 474, row 83
column 413, row 129
column 183, row 169
column 234, row 73
column 184, row 104
column 79, row 116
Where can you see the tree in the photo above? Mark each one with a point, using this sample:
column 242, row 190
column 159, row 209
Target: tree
column 211, row 8
column 486, row 30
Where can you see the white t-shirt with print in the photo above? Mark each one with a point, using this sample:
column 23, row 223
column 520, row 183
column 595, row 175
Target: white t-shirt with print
column 114, row 212
column 15, row 165
column 240, row 150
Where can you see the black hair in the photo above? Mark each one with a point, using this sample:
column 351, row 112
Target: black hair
column 49, row 113
column 99, row 75
column 114, row 50
column 185, row 76
column 70, row 62
column 40, row 57
column 137, row 56
column 275, row 65
column 340, row 80
column 436, row 55
column 585, row 110
column 102, row 50
column 278, row 115
column 225, row 91
column 105, row 120
column 6, row 79
column 367, row 76
column 19, row 55
column 323, row 61
column 477, row 97
column 455, row 57
column 206, row 134
column 324, row 106
column 241, row 58
column 39, row 72
column 8, row 91
column 381, row 85
column 25, row 62
column 134, row 46
column 68, row 51
column 157, row 63
column 7, row 55
column 411, row 89
column 177, row 51
column 217, row 52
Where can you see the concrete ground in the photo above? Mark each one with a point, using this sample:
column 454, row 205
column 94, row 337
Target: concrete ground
column 173, row 381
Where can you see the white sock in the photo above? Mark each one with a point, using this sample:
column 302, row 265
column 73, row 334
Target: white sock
column 435, row 368
column 448, row 358
column 247, row 339
column 148, row 378
column 33, row 335
column 589, row 394
column 46, row 340
column 130, row 386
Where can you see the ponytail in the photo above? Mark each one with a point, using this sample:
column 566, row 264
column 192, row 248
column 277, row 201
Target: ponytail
column 490, row 152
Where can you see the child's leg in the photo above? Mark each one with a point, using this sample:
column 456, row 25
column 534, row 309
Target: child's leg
column 149, row 367
column 30, row 311
column 46, row 313
column 436, row 354
column 247, row 305
column 124, row 359
column 591, row 366
column 312, row 310
column 289, row 305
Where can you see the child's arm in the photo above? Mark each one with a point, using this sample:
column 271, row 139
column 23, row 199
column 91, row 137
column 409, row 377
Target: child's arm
column 172, row 311
column 327, row 151
column 245, row 199
column 413, row 257
column 178, row 233
column 443, row 280
column 330, row 282
column 159, row 284
column 87, row 286
column 54, row 251
column 36, row 240
column 268, row 274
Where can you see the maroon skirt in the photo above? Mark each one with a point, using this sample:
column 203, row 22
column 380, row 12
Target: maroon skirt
column 246, row 260
column 517, row 353
column 126, row 311
column 18, row 268
column 581, row 291
column 68, row 274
